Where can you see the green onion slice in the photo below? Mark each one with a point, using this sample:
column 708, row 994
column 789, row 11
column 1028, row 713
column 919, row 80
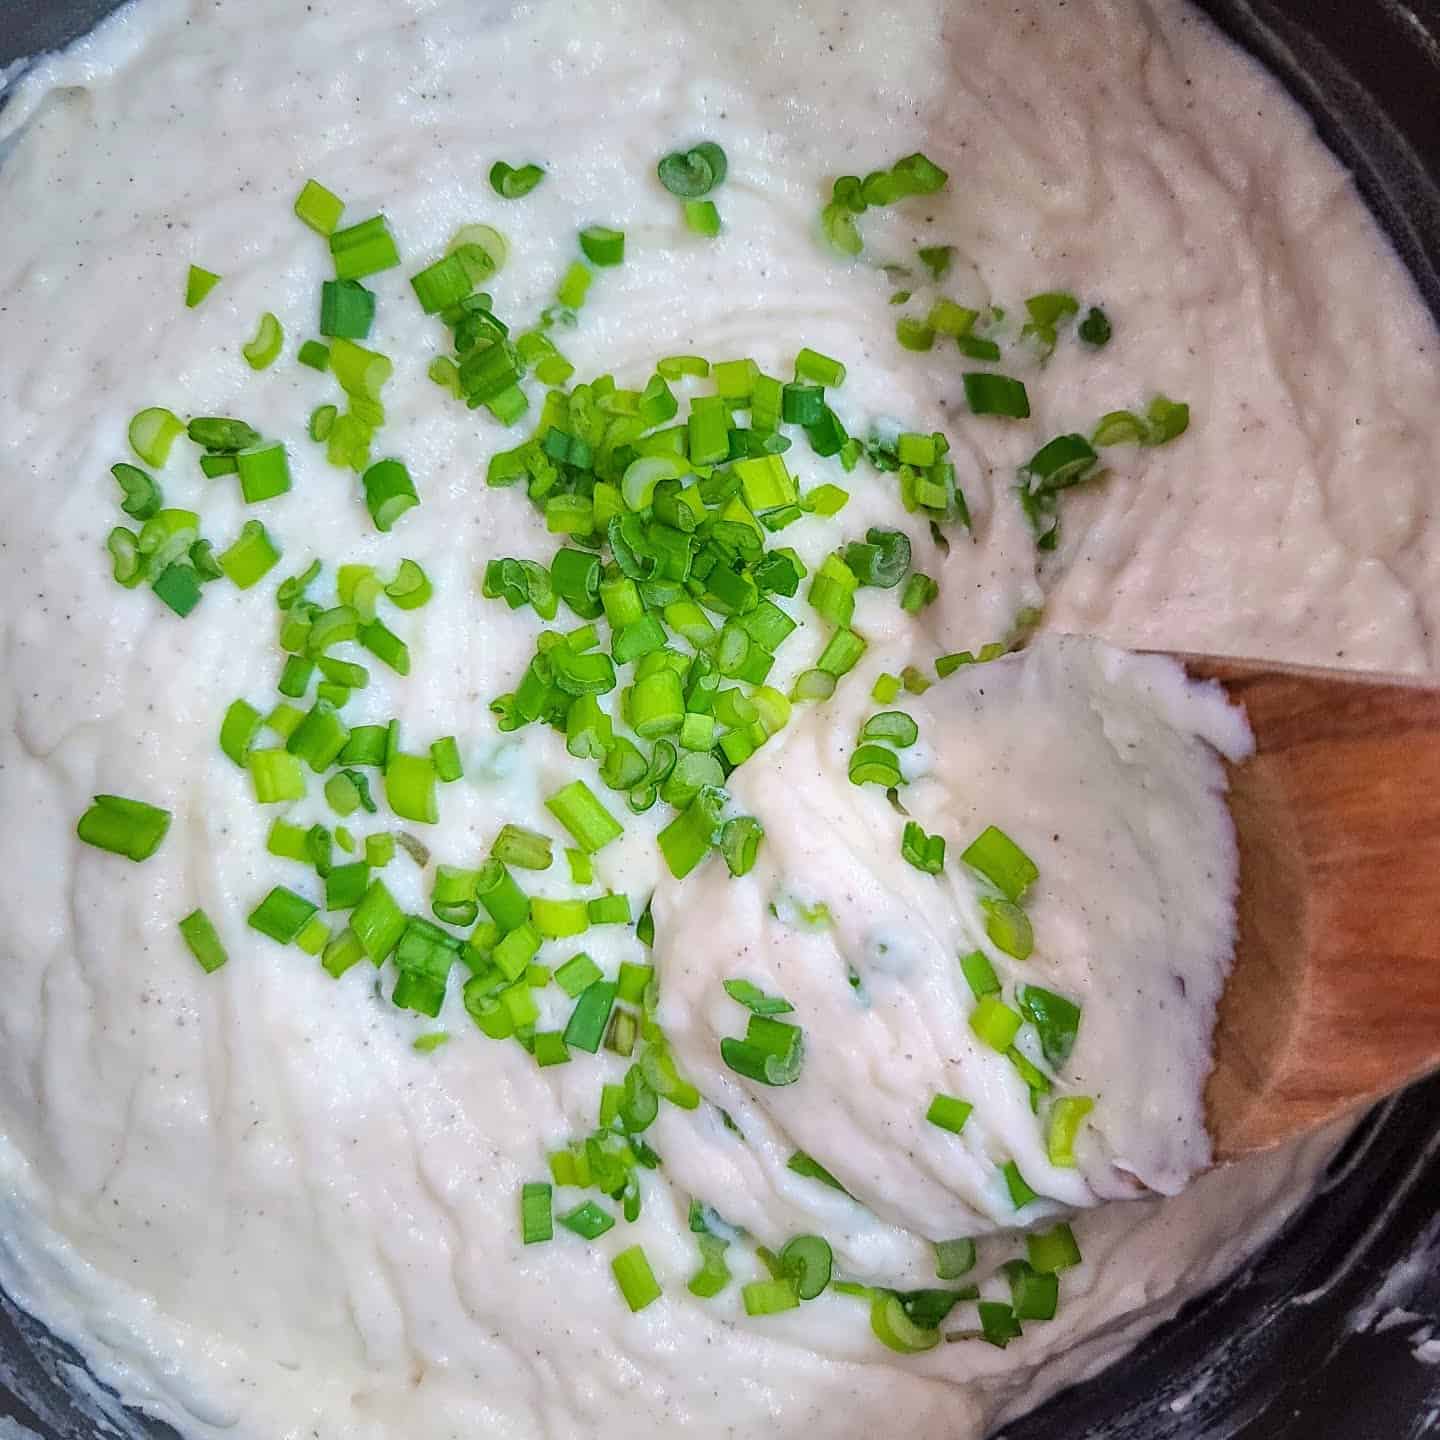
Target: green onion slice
column 124, row 827
column 514, row 182
column 755, row 1000
column 269, row 339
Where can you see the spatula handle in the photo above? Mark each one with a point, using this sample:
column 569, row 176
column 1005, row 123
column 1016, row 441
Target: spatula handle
column 1335, row 996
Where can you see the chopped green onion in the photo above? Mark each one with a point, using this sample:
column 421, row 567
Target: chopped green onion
column 295, row 677
column 282, row 915
column 123, row 827
column 713, row 1275
column 1021, row 1194
column 703, row 217
column 603, row 246
column 410, row 788
column 535, row 1213
column 577, row 975
column 504, row 901
column 608, row 910
column 1052, row 1250
column 1056, row 1018
column 885, row 689
column 363, row 249
column 378, row 922
column 481, row 248
column 635, row 1278
column 238, row 730
column 1002, row 862
column 128, row 563
column 772, row 1052
column 917, row 174
column 1067, row 1115
column 345, row 885
column 574, row 286
column 586, row 1026
column 954, row 1258
column 688, row 838
column 269, row 339
column 588, row 1221
column 893, row 727
column 284, row 719
column 995, row 1023
column 198, row 284
column 694, row 172
column 1094, row 329
column 1166, row 420
column 807, row 1260
column 676, row 367
column 276, row 776
column 222, row 434
column 559, row 919
column 998, row 1324
column 1008, row 927
column 318, row 207
column 770, row 1297
column 633, row 981
column 581, row 813
column 319, row 737
column 894, row 1328
column 925, row 852
column 755, row 1000
column 936, row 259
column 811, row 1169
column 442, row 285
column 837, row 224
column 445, row 756
column 152, row 432
column 988, row 394
column 976, row 347
column 914, row 334
column 385, row 645
column 314, row 356
column 979, row 974
column 875, row 765
column 389, row 492
column 812, row 365
column 178, row 585
column 948, row 1113
column 516, row 950
column 513, row 182
column 250, row 558
column 410, row 588
column 549, row 1049
column 530, row 850
column 347, row 311
column 264, row 471
column 362, row 373
column 322, row 421
column 202, row 941
column 920, row 591
column 740, row 843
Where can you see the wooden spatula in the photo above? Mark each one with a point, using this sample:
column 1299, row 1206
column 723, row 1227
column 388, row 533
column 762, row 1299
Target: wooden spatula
column 1334, row 1000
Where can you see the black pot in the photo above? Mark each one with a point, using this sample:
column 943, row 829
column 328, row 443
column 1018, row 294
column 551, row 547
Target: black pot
column 1310, row 1340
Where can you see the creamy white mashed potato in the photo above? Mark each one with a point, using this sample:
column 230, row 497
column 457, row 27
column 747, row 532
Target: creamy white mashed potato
column 255, row 1207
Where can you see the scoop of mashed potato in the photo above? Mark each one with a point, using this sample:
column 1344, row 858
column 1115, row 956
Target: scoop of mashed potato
column 1105, row 769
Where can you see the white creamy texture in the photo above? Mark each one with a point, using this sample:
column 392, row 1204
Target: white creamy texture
column 1104, row 767
column 245, row 1195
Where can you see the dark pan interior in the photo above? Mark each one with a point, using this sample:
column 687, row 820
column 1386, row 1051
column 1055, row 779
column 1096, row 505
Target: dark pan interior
column 1287, row 1349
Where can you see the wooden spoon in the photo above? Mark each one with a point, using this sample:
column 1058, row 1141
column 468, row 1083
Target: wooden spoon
column 1334, row 1000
